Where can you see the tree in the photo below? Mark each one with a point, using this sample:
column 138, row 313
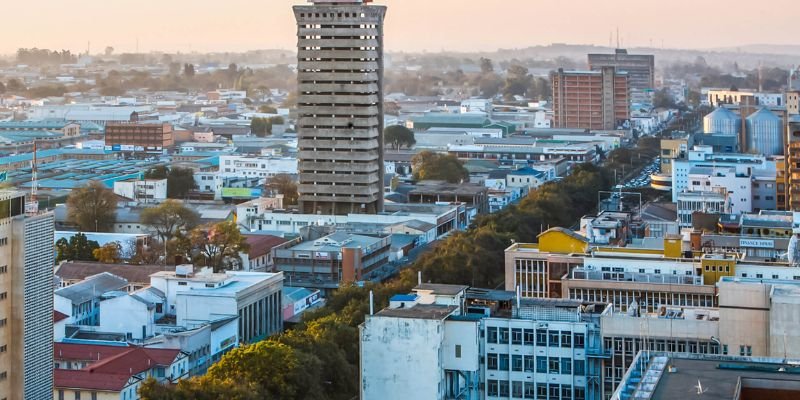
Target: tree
column 398, row 136
column 218, row 245
column 157, row 172
column 169, row 217
column 14, row 85
column 487, row 67
column 517, row 81
column 188, row 70
column 180, row 182
column 265, row 109
column 92, row 208
column 285, row 185
column 428, row 165
column 260, row 127
column 77, row 248
column 108, row 51
column 109, row 253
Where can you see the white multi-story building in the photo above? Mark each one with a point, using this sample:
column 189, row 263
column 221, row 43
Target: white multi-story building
column 704, row 157
column 448, row 342
column 197, row 299
column 256, row 167
column 147, row 190
column 26, row 300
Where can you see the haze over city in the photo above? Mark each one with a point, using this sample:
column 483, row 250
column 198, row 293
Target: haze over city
column 399, row 199
column 412, row 25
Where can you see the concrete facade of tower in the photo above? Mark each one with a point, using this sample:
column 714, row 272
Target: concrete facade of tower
column 340, row 106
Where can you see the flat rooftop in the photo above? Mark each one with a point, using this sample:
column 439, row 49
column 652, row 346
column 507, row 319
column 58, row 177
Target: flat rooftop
column 719, row 379
column 441, row 289
column 419, row 311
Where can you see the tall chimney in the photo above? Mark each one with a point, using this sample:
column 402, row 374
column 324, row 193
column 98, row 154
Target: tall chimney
column 371, row 303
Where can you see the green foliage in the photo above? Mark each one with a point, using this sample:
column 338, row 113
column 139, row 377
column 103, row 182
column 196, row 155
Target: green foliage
column 92, row 207
column 168, row 218
column 77, row 248
column 428, row 165
column 260, row 127
column 217, row 246
column 180, row 181
column 398, row 136
column 267, row 110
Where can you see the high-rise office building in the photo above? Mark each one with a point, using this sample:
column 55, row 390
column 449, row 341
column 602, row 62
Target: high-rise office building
column 340, row 106
column 792, row 164
column 26, row 300
column 590, row 99
column 641, row 70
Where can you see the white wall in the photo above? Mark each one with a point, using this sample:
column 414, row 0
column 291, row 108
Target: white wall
column 127, row 315
column 390, row 371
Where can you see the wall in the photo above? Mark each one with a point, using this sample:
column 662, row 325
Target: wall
column 126, row 315
column 744, row 317
column 391, row 372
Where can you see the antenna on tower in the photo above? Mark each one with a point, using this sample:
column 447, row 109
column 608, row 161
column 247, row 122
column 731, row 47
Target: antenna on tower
column 618, row 37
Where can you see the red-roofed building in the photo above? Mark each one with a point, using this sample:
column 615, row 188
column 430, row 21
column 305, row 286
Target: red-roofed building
column 259, row 257
column 112, row 372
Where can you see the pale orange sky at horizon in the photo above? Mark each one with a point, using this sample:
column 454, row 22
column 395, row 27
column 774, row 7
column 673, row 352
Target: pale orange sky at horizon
column 412, row 25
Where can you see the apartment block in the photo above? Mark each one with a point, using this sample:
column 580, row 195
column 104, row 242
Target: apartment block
column 340, row 107
column 590, row 99
column 26, row 300
column 641, row 70
column 138, row 137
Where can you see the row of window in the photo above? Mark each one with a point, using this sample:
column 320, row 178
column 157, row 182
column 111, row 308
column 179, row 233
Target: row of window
column 539, row 337
column 526, row 390
column 538, row 364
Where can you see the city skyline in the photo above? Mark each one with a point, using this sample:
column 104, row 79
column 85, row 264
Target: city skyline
column 447, row 26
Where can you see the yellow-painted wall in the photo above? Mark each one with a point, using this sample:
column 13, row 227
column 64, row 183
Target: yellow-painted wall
column 714, row 269
column 560, row 242
column 672, row 247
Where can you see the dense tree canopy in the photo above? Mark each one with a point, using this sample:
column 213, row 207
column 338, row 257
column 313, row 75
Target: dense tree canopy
column 428, row 165
column 398, row 136
column 77, row 248
column 285, row 185
column 92, row 207
column 168, row 218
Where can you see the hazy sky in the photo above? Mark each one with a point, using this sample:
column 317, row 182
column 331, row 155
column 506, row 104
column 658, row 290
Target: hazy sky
column 412, row 25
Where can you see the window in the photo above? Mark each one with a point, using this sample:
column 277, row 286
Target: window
column 60, row 394
column 491, row 335
column 555, row 391
column 503, row 336
column 566, row 366
column 77, row 395
column 541, row 365
column 528, row 337
column 94, row 395
column 554, row 338
column 725, row 349
column 458, row 351
column 3, row 295
column 182, row 283
column 553, row 366
column 530, row 391
column 491, row 387
column 566, row 392
column 541, row 390
column 3, row 322
column 579, row 340
column 658, row 271
column 516, row 336
column 4, row 269
column 503, row 389
column 516, row 363
column 566, row 339
column 748, row 351
column 580, row 367
column 759, row 276
column 491, row 361
column 503, row 361
column 529, row 363
column 516, row 389
column 541, row 337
